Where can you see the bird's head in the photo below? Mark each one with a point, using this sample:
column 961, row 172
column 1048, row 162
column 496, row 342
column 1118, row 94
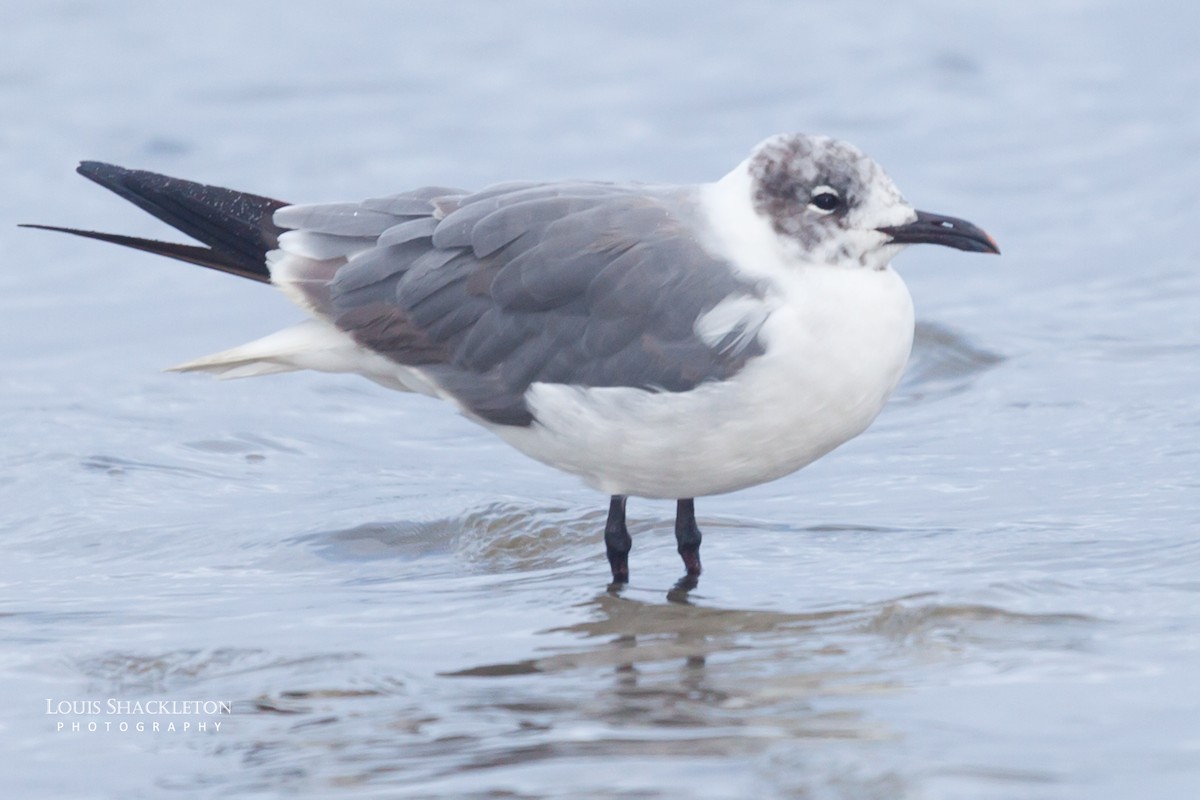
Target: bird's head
column 831, row 204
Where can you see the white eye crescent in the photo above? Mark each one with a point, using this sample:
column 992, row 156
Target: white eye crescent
column 825, row 199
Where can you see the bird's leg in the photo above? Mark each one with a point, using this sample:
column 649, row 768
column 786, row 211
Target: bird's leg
column 687, row 536
column 617, row 540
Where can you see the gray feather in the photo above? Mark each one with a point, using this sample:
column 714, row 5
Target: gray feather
column 407, row 231
column 325, row 246
column 417, row 203
column 343, row 219
column 584, row 284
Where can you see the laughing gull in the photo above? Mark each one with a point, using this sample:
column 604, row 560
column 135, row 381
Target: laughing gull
column 657, row 341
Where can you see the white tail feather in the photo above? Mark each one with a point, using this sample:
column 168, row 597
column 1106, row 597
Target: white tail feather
column 313, row 344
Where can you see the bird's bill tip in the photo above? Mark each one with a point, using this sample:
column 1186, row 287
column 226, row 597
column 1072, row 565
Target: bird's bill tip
column 929, row 228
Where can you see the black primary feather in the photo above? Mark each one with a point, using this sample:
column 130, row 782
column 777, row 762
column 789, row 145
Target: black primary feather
column 237, row 227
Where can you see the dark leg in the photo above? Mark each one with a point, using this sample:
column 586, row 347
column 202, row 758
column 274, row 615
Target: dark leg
column 687, row 536
column 617, row 539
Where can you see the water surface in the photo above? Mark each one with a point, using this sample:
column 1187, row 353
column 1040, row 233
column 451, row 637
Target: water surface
column 991, row 594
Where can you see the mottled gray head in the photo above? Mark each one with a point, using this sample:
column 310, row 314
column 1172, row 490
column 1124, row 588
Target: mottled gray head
column 832, row 204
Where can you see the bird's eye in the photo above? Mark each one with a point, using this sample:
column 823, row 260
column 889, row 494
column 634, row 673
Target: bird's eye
column 824, row 199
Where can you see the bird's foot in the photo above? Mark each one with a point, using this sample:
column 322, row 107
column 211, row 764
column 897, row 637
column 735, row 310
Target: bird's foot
column 620, row 567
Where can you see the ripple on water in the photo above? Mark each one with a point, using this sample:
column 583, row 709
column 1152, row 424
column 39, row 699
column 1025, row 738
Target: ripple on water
column 144, row 673
column 944, row 362
column 499, row 537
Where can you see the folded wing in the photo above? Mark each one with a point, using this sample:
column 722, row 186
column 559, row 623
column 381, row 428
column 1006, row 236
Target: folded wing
column 588, row 284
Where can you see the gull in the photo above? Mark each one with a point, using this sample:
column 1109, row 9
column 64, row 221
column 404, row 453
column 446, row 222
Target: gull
column 658, row 341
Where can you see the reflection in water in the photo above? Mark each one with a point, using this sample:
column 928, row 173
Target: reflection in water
column 638, row 632
column 647, row 680
column 685, row 680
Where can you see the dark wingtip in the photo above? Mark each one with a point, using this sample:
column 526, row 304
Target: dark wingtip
column 88, row 167
column 55, row 228
column 100, row 172
column 201, row 256
column 134, row 185
column 236, row 227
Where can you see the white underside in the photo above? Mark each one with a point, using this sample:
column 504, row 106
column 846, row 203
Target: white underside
column 834, row 355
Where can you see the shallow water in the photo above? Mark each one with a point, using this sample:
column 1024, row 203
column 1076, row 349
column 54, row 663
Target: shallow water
column 992, row 593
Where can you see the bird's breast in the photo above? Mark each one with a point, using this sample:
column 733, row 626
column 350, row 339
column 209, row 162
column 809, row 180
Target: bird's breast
column 835, row 344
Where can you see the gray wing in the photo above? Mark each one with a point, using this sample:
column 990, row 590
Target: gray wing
column 580, row 283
